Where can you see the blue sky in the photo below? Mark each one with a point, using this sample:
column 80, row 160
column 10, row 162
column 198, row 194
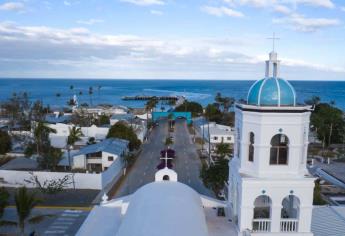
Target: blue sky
column 171, row 39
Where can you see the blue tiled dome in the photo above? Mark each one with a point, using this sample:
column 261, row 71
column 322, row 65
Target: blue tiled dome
column 271, row 92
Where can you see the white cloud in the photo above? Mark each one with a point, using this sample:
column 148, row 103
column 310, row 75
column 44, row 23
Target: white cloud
column 145, row 2
column 282, row 9
column 90, row 21
column 316, row 3
column 304, row 24
column 67, row 3
column 45, row 51
column 155, row 12
column 270, row 3
column 221, row 11
column 12, row 6
column 256, row 3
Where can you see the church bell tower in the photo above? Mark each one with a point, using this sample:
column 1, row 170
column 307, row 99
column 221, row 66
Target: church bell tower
column 270, row 190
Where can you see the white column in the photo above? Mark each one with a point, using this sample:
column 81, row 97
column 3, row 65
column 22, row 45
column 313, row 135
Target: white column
column 305, row 215
column 245, row 217
column 275, row 218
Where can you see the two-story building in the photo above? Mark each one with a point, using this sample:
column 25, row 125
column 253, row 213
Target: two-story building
column 98, row 157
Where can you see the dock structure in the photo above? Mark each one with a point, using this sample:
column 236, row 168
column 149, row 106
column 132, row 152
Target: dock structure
column 146, row 98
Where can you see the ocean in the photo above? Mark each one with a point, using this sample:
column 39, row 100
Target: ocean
column 111, row 91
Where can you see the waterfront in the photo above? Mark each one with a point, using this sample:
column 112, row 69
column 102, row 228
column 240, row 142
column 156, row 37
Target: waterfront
column 111, row 91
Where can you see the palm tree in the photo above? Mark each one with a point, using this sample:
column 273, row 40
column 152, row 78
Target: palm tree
column 149, row 106
column 90, row 94
column 41, row 134
column 223, row 149
column 25, row 202
column 71, row 87
column 74, row 135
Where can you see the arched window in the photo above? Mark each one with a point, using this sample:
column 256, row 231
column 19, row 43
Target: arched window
column 166, row 177
column 290, row 214
column 279, row 150
column 251, row 147
column 262, row 214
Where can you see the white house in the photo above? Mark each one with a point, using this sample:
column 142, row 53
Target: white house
column 100, row 110
column 217, row 133
column 270, row 189
column 59, row 139
column 127, row 117
column 98, row 157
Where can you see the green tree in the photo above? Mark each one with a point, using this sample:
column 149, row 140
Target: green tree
column 25, row 202
column 4, row 196
column 225, row 102
column 212, row 113
column 41, row 136
column 5, row 142
column 223, row 149
column 168, row 141
column 193, row 107
column 51, row 158
column 122, row 131
column 149, row 106
column 329, row 124
column 74, row 136
column 216, row 175
column 318, row 200
column 38, row 111
column 90, row 94
column 103, row 120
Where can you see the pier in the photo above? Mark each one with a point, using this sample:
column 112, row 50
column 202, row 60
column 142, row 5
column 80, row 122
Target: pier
column 146, row 98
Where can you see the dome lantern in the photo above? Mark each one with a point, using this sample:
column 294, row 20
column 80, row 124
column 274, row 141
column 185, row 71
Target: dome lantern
column 272, row 90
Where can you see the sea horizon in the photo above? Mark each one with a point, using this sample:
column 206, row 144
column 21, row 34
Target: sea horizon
column 112, row 90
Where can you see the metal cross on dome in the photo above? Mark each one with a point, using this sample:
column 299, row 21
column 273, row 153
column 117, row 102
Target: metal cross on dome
column 166, row 158
column 274, row 38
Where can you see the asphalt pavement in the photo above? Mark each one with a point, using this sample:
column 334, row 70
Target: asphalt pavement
column 187, row 163
column 64, row 222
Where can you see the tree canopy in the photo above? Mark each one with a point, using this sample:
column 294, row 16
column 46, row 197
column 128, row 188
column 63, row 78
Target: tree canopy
column 223, row 149
column 212, row 113
column 215, row 176
column 225, row 102
column 4, row 197
column 328, row 122
column 193, row 107
column 5, row 142
column 121, row 130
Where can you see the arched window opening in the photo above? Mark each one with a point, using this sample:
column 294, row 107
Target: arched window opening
column 166, row 177
column 251, row 147
column 262, row 214
column 279, row 150
column 238, row 143
column 290, row 214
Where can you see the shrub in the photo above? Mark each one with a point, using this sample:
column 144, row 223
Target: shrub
column 4, row 196
column 5, row 142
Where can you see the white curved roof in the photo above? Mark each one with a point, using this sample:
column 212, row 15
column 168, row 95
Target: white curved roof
column 164, row 209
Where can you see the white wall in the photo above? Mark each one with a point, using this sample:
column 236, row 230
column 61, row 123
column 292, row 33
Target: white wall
column 13, row 178
column 62, row 131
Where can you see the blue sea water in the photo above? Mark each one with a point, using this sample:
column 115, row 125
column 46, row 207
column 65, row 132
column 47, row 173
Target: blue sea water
column 112, row 91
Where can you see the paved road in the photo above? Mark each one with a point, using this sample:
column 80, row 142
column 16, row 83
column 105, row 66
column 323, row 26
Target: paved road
column 187, row 163
column 62, row 222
